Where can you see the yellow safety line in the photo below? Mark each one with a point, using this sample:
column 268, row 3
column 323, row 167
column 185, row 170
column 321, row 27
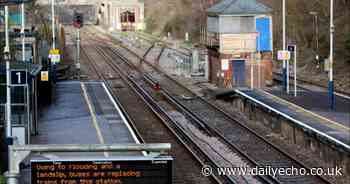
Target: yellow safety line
column 337, row 124
column 93, row 116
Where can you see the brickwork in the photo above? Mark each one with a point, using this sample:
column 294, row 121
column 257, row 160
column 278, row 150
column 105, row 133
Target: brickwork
column 262, row 74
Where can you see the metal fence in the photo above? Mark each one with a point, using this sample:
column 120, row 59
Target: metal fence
column 19, row 105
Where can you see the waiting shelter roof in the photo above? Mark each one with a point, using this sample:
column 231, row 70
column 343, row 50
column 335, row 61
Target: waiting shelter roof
column 33, row 69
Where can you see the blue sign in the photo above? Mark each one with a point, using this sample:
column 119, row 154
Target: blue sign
column 18, row 77
column 291, row 48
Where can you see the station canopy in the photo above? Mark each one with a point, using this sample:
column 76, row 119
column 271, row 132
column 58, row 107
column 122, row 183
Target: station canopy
column 238, row 7
column 33, row 69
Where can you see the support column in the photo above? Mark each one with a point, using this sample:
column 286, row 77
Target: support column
column 284, row 46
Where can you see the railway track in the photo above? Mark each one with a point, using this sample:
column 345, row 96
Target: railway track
column 197, row 151
column 254, row 146
column 178, row 147
column 186, row 134
column 203, row 137
column 165, row 44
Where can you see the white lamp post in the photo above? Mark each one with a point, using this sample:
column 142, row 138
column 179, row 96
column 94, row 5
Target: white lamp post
column 8, row 87
column 23, row 34
column 331, row 83
column 315, row 14
column 53, row 24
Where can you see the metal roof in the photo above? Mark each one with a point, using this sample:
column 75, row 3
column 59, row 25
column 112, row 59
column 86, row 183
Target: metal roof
column 18, row 35
column 238, row 7
column 33, row 69
column 126, row 2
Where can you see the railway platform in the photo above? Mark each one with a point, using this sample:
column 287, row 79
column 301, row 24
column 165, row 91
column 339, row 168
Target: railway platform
column 306, row 130
column 306, row 113
column 317, row 101
column 83, row 113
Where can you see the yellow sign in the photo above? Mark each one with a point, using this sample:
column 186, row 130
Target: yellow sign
column 54, row 52
column 283, row 55
column 54, row 55
column 44, row 76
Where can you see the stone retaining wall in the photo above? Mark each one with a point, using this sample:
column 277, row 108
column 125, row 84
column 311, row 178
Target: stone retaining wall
column 66, row 12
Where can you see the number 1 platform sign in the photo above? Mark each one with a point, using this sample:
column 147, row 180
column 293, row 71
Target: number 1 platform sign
column 18, row 77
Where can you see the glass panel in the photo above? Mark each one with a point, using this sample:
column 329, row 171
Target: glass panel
column 18, row 94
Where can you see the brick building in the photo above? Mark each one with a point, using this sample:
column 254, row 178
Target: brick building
column 239, row 40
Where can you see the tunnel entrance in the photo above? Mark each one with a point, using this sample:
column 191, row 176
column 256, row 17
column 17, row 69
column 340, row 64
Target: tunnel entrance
column 127, row 21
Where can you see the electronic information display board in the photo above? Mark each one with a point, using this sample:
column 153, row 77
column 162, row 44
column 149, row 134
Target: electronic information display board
column 122, row 171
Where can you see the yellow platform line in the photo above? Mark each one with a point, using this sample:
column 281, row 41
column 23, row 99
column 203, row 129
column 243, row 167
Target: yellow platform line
column 335, row 124
column 93, row 116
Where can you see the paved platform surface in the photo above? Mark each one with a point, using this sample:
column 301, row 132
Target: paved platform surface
column 69, row 120
column 337, row 131
column 317, row 101
column 82, row 113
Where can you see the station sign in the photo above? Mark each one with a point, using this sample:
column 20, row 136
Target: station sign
column 18, row 77
column 224, row 64
column 283, row 55
column 55, row 56
column 129, row 170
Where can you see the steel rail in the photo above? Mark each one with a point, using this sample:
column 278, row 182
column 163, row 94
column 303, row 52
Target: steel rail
column 211, row 129
column 208, row 129
column 279, row 150
column 203, row 163
column 108, row 85
column 168, row 121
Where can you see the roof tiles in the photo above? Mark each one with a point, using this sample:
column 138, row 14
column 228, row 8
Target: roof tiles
column 238, row 7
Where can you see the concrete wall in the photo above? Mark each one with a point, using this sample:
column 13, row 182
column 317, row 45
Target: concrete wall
column 68, row 2
column 293, row 135
column 214, row 66
column 112, row 15
column 65, row 13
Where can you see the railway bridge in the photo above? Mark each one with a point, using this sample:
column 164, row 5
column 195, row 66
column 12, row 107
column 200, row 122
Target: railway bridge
column 121, row 14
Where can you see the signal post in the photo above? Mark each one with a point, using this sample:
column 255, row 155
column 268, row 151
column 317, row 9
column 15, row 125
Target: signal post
column 78, row 22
